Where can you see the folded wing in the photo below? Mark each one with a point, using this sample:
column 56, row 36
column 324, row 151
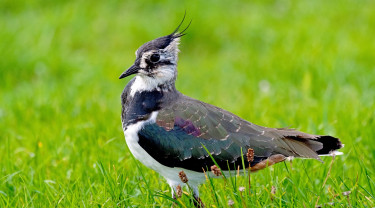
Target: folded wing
column 183, row 128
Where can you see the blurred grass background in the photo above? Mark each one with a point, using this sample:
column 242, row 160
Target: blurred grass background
column 304, row 64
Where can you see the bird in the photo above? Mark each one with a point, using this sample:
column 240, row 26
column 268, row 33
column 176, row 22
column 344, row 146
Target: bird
column 181, row 138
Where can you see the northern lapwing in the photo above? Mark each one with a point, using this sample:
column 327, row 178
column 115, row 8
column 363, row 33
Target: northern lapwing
column 170, row 132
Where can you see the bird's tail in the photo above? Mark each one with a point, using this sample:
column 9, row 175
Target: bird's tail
column 304, row 145
column 313, row 146
column 330, row 146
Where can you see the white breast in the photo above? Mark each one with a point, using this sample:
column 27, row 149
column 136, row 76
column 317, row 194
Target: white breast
column 170, row 174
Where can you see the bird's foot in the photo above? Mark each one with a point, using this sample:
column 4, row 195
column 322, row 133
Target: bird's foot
column 174, row 203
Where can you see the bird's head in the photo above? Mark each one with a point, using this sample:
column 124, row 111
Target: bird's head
column 156, row 60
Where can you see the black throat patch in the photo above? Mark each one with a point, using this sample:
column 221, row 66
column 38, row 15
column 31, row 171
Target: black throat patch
column 140, row 106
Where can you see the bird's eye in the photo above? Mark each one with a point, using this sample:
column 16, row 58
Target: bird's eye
column 155, row 57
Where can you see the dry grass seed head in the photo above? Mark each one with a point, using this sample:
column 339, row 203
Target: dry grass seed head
column 230, row 202
column 179, row 191
column 215, row 170
column 183, row 176
column 250, row 155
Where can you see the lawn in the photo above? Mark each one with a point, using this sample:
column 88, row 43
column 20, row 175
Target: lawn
column 304, row 64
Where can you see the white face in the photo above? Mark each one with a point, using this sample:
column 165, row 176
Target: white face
column 160, row 63
column 157, row 67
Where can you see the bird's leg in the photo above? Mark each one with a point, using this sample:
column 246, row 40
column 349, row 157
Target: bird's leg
column 174, row 196
column 175, row 192
column 197, row 200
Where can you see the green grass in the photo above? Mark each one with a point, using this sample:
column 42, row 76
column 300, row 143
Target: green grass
column 304, row 64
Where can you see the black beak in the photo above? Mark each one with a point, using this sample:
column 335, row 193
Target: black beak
column 132, row 70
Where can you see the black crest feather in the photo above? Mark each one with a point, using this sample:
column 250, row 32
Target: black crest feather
column 175, row 33
column 163, row 42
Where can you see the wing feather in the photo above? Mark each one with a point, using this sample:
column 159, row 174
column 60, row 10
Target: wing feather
column 183, row 127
